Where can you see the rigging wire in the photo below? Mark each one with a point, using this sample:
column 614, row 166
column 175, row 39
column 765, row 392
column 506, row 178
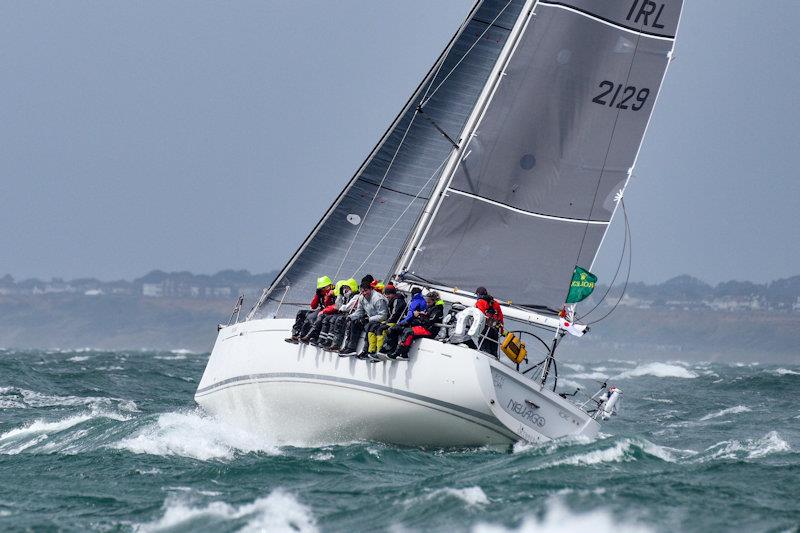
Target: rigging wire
column 426, row 97
column 628, row 275
column 388, row 231
column 619, row 265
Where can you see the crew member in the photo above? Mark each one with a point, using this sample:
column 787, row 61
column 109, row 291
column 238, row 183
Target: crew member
column 494, row 320
column 324, row 287
column 391, row 335
column 372, row 310
column 424, row 324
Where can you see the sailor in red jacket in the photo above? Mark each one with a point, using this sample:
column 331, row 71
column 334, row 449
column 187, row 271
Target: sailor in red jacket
column 323, row 296
column 494, row 320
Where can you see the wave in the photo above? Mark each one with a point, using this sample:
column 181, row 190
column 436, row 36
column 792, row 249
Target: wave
column 589, row 375
column 659, row 370
column 559, row 519
column 178, row 357
column 624, row 450
column 20, row 439
column 729, row 411
column 472, row 496
column 280, row 511
column 748, row 449
column 79, row 359
column 195, row 435
column 784, row 372
column 19, row 398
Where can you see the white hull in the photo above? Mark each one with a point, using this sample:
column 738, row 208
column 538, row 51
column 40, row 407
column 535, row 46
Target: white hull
column 445, row 395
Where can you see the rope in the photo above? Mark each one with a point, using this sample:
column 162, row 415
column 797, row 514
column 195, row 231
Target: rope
column 619, row 265
column 628, row 275
column 426, row 100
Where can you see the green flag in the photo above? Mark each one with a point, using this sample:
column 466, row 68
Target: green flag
column 581, row 286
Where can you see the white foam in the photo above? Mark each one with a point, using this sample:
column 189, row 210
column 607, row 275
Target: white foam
column 196, row 435
column 280, row 511
column 322, row 456
column 78, row 358
column 19, row 439
column 659, row 400
column 570, row 384
column 15, row 397
column 182, row 351
column 472, row 496
column 589, row 375
column 559, row 519
column 573, row 366
column 729, row 411
column 785, row 372
column 620, row 452
column 659, row 370
column 749, row 449
column 170, row 357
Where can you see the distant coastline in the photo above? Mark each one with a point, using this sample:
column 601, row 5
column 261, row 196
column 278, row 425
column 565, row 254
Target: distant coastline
column 680, row 318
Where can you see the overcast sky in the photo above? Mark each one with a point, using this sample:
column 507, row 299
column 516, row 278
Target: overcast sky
column 208, row 135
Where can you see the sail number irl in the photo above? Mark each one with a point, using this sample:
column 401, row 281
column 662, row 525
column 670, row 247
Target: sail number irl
column 622, row 96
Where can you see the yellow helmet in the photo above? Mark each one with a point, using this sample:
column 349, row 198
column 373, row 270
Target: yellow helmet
column 353, row 284
column 324, row 281
column 337, row 289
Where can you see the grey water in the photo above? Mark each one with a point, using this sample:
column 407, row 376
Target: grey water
column 112, row 441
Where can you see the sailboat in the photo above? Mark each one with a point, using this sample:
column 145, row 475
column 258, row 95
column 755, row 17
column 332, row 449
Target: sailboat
column 504, row 169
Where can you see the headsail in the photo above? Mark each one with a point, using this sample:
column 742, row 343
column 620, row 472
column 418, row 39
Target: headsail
column 370, row 222
column 533, row 193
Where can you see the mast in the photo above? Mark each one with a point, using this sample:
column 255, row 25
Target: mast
column 438, row 192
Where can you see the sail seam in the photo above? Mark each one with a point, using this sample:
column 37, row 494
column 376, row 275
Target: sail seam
column 528, row 213
column 607, row 21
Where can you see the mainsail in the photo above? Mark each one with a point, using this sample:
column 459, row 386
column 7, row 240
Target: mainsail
column 533, row 192
column 370, row 223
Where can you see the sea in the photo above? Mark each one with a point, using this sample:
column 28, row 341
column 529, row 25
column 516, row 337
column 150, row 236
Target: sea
column 113, row 441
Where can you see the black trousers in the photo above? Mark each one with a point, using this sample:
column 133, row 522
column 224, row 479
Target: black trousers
column 491, row 343
column 299, row 320
column 392, row 336
column 355, row 328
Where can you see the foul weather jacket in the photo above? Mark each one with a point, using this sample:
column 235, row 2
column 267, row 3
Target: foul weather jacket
column 374, row 308
column 397, row 305
column 417, row 304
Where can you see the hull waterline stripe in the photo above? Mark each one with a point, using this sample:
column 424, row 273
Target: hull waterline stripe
column 528, row 213
column 606, row 21
column 243, row 380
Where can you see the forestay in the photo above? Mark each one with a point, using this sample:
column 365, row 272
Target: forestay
column 534, row 191
column 369, row 223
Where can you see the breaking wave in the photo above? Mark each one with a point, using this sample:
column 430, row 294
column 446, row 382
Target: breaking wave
column 658, row 370
column 785, row 372
column 559, row 519
column 472, row 496
column 748, row 449
column 195, row 435
column 280, row 512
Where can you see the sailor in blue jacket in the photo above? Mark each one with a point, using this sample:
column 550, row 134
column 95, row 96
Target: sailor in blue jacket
column 417, row 303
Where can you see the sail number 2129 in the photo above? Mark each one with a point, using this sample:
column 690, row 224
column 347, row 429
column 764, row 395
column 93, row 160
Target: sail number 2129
column 621, row 97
